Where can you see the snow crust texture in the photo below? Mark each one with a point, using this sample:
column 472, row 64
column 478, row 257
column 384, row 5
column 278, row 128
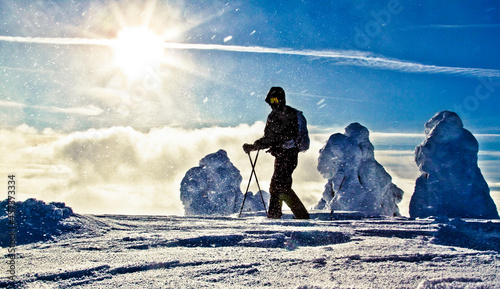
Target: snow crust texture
column 255, row 252
column 356, row 181
column 212, row 188
column 451, row 183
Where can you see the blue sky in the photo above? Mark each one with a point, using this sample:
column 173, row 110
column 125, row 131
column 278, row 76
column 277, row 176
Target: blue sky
column 390, row 65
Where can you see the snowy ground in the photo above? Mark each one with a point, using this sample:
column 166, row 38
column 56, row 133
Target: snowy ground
column 210, row 252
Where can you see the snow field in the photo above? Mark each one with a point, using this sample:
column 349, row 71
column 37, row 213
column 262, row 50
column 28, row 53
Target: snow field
column 213, row 252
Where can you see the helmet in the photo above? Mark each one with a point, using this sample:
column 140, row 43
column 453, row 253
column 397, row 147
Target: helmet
column 276, row 95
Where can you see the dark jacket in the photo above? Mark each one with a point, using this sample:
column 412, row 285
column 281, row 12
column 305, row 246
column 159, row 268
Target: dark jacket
column 281, row 128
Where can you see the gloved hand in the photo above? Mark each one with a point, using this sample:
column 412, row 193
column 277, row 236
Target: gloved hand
column 248, row 148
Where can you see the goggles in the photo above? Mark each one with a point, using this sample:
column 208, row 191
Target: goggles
column 274, row 100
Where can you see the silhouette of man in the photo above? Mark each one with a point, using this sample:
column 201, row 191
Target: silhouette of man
column 280, row 133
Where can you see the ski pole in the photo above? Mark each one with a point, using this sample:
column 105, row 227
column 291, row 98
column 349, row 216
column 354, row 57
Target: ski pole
column 249, row 180
column 253, row 164
column 258, row 186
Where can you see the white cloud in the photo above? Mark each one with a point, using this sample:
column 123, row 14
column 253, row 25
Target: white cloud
column 122, row 170
column 489, row 153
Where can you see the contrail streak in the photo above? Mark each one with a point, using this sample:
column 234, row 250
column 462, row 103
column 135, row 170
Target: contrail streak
column 348, row 57
column 58, row 41
column 89, row 110
column 340, row 57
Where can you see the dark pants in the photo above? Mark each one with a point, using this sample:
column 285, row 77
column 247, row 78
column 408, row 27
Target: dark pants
column 281, row 186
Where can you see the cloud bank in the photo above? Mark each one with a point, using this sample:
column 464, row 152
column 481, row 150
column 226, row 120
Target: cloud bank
column 120, row 170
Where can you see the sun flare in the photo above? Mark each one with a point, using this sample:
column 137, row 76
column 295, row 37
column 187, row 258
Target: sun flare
column 136, row 50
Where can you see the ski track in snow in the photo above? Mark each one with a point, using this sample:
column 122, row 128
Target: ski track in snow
column 115, row 251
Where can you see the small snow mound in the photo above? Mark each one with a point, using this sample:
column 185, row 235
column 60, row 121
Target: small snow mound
column 212, row 188
column 356, row 181
column 34, row 221
column 470, row 234
column 451, row 182
column 253, row 202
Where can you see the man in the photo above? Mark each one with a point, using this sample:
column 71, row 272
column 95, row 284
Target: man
column 280, row 135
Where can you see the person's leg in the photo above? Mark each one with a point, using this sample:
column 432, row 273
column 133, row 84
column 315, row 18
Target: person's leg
column 295, row 204
column 281, row 187
column 292, row 201
column 279, row 182
column 275, row 204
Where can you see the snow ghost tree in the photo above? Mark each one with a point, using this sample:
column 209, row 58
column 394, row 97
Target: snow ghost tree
column 451, row 183
column 212, row 188
column 356, row 181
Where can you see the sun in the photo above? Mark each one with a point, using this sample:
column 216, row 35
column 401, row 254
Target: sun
column 137, row 50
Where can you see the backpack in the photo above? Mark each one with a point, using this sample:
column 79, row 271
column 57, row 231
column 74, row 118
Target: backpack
column 302, row 141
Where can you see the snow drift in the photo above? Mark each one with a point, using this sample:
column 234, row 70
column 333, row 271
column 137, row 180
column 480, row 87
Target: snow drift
column 451, row 182
column 356, row 181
